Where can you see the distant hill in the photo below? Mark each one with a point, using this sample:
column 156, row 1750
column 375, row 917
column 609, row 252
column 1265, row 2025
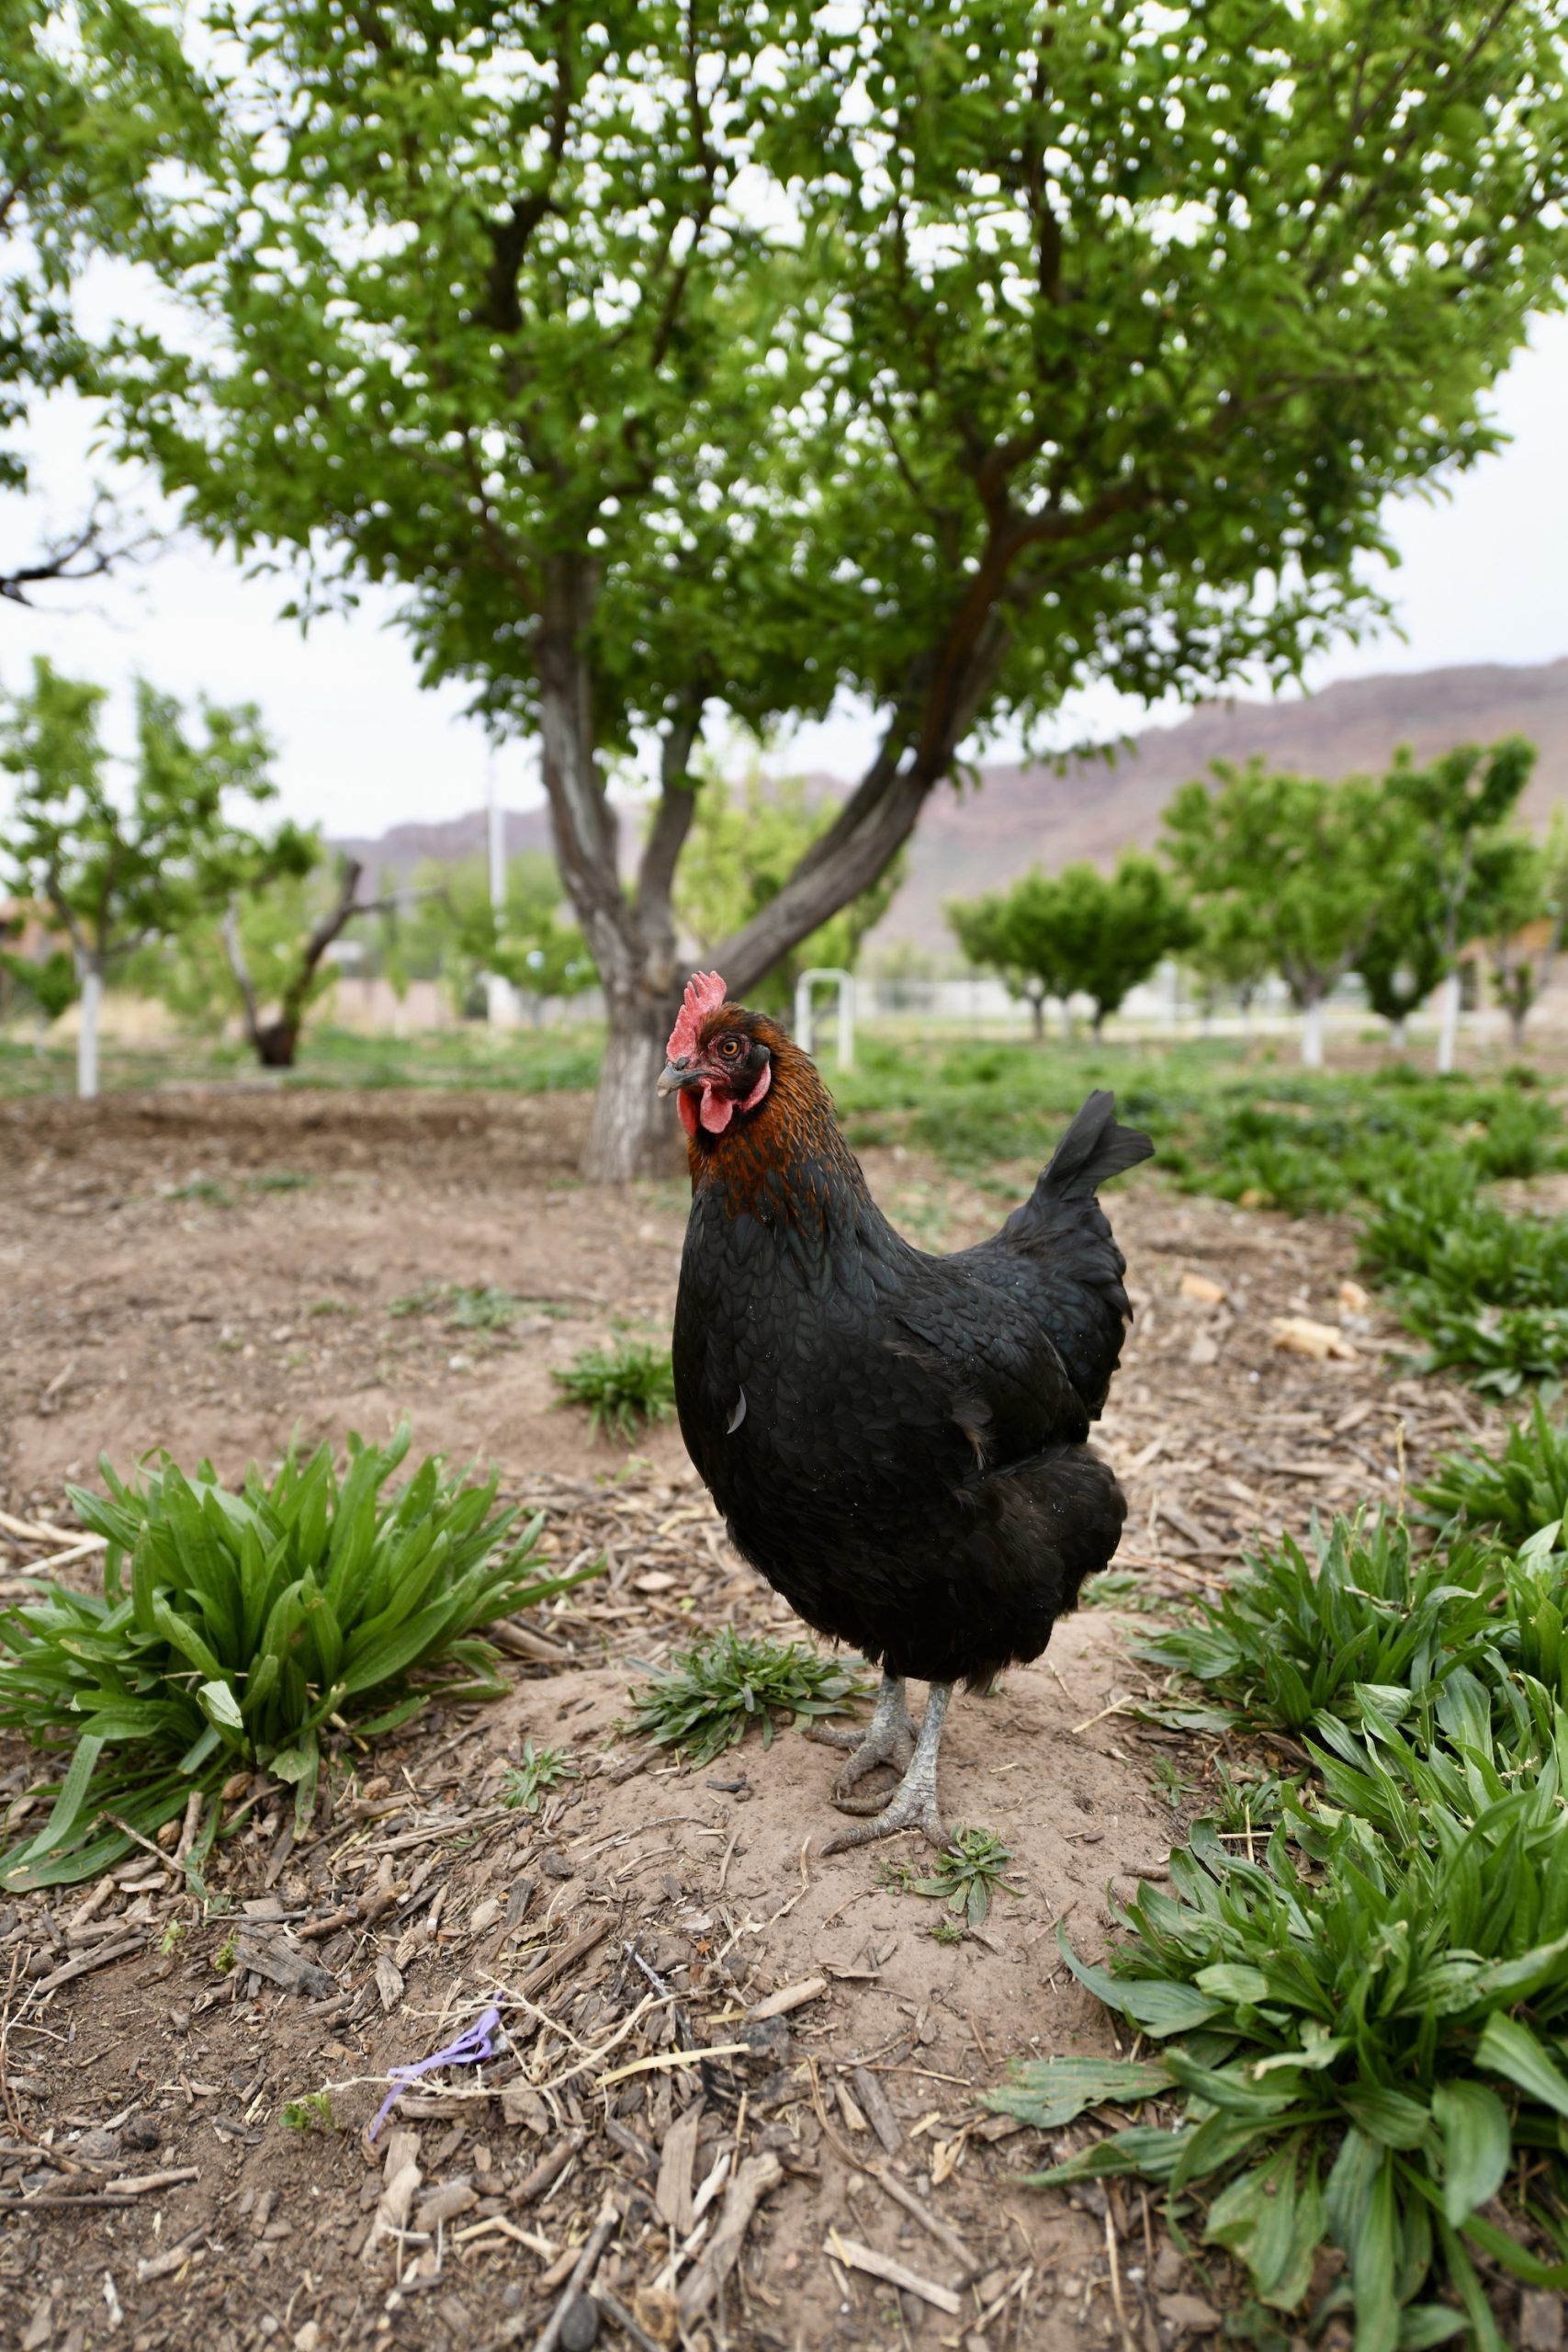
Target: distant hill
column 1024, row 816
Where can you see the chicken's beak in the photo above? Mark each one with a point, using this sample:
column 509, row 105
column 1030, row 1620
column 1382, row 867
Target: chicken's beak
column 673, row 1076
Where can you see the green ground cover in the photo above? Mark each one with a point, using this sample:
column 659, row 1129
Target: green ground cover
column 1355, row 2006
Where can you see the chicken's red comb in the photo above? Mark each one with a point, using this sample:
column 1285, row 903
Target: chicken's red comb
column 704, row 994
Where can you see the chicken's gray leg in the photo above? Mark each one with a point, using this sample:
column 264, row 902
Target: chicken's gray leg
column 887, row 1738
column 913, row 1804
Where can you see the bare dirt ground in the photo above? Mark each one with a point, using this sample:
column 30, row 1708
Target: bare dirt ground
column 168, row 1281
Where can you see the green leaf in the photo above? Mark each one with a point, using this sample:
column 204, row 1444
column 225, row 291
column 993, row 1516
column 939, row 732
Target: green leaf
column 1473, row 2123
column 1049, row 2092
column 1508, row 2047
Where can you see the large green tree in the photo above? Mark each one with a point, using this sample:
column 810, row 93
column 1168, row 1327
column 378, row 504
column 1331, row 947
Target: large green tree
column 678, row 358
column 92, row 97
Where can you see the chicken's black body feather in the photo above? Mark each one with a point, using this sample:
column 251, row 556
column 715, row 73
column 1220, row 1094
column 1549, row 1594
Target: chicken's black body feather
column 897, row 1440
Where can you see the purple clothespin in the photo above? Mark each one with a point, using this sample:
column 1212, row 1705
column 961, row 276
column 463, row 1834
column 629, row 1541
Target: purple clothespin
column 471, row 2049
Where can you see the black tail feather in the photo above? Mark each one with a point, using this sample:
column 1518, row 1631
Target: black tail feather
column 1094, row 1150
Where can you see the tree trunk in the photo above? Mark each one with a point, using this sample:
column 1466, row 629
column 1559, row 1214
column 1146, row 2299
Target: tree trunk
column 1037, row 1016
column 1448, row 1029
column 277, row 1042
column 1066, row 1021
column 1097, row 1026
column 1517, row 1015
column 87, row 1034
column 635, row 1132
column 1397, row 1034
column 1312, row 1034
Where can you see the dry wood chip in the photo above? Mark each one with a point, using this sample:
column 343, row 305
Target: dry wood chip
column 1298, row 1335
column 787, row 1997
column 400, row 2181
column 175, row 2257
column 444, row 2204
column 84, row 1964
column 546, row 2172
column 756, row 2176
column 672, row 2198
column 855, row 2257
column 388, row 1982
column 1202, row 1289
column 878, row 2108
column 281, row 1964
column 141, row 2184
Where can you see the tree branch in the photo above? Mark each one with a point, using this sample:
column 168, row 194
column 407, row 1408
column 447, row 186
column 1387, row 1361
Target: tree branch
column 85, row 553
column 673, row 819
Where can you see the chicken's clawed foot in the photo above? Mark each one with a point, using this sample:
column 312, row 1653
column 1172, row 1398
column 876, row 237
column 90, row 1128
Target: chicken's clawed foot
column 913, row 1804
column 887, row 1738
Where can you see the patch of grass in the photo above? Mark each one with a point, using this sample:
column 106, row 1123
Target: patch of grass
column 963, row 1880
column 278, row 1179
column 244, row 1629
column 1512, row 1494
column 1360, row 2018
column 332, row 1306
column 469, row 1307
column 623, row 1387
column 198, row 1188
column 711, row 1695
column 540, row 1770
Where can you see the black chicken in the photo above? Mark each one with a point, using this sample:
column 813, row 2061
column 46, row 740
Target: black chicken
column 897, row 1440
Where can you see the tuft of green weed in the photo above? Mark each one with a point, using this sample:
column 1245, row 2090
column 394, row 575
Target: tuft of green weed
column 1513, row 1494
column 1305, row 1633
column 623, row 1387
column 198, row 1188
column 539, row 1772
column 967, row 1874
column 311, row 2111
column 466, row 1306
column 278, row 1179
column 239, row 1630
column 711, row 1695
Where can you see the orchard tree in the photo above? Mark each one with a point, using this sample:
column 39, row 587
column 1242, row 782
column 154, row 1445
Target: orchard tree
column 1524, row 886
column 1019, row 936
column 1452, row 816
column 1300, row 859
column 743, row 847
column 1400, row 960
column 116, row 876
column 678, row 365
column 1114, row 930
column 1230, row 950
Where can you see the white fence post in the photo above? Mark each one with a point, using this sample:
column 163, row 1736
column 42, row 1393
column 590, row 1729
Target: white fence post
column 804, row 1030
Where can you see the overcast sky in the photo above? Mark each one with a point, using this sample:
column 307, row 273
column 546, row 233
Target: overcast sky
column 1483, row 578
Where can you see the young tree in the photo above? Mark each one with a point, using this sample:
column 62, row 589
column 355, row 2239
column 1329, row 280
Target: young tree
column 1230, row 951
column 1019, row 936
column 1523, row 885
column 1400, row 960
column 1450, row 814
column 674, row 362
column 116, row 877
column 1296, row 857
column 742, row 849
column 1113, row 930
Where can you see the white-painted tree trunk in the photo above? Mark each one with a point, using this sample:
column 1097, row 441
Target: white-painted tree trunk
column 635, row 1130
column 1396, row 1034
column 1312, row 1035
column 1448, row 1025
column 87, row 1034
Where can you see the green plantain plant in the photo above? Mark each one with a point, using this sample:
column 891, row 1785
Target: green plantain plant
column 243, row 1629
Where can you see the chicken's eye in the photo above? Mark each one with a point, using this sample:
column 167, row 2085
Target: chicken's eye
column 730, row 1047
